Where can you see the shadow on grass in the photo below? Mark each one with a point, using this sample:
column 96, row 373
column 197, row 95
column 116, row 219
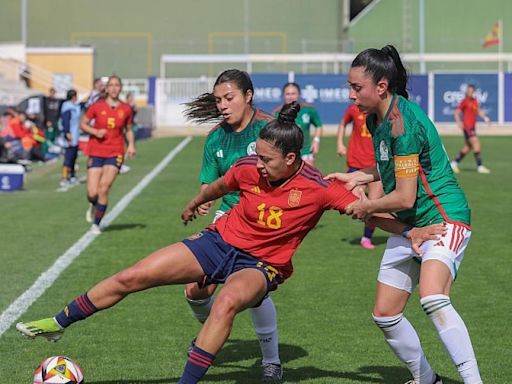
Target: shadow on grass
column 122, row 227
column 241, row 350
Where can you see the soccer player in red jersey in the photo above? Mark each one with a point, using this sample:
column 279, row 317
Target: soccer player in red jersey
column 112, row 124
column 360, row 155
column 249, row 249
column 470, row 109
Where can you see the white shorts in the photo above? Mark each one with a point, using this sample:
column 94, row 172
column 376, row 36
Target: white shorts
column 400, row 266
column 308, row 157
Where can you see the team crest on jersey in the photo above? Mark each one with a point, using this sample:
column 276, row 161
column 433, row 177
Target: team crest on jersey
column 195, row 236
column 383, row 149
column 251, row 148
column 103, row 113
column 294, row 197
column 306, row 118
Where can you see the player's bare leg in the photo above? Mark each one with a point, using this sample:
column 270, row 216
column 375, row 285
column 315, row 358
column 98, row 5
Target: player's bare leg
column 243, row 289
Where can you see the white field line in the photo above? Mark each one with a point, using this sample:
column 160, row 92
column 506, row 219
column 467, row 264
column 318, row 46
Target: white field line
column 48, row 277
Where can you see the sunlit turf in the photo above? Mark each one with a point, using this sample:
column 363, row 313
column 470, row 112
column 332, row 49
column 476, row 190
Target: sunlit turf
column 325, row 326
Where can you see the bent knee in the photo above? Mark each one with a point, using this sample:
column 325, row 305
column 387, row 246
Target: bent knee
column 225, row 307
column 130, row 279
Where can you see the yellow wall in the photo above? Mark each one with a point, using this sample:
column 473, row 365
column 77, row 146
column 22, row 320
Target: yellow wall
column 79, row 64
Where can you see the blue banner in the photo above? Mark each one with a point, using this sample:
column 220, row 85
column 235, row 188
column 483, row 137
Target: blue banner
column 418, row 90
column 450, row 90
column 328, row 93
column 508, row 97
column 268, row 92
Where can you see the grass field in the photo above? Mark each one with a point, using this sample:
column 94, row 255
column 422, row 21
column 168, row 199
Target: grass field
column 326, row 331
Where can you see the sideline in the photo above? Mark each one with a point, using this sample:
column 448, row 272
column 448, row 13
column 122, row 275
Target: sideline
column 48, row 277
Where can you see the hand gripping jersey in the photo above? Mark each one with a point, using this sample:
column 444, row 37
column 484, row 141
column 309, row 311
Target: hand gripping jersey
column 270, row 222
column 406, row 143
column 360, row 148
column 224, row 146
column 306, row 117
column 114, row 120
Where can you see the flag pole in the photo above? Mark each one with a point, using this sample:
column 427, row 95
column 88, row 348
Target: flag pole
column 500, row 45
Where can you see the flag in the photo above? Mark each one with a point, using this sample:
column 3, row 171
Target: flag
column 493, row 37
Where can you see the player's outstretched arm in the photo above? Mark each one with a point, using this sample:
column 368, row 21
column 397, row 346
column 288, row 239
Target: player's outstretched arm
column 417, row 235
column 353, row 179
column 212, row 192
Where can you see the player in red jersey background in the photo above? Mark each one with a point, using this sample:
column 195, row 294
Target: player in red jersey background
column 360, row 155
column 470, row 109
column 112, row 125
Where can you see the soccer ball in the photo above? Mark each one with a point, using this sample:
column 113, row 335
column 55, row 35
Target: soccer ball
column 58, row 370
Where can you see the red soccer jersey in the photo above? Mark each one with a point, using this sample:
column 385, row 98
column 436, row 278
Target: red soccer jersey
column 114, row 120
column 360, row 147
column 270, row 222
column 469, row 107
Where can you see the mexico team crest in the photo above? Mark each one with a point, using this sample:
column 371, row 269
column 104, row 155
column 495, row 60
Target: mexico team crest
column 383, row 149
column 294, row 197
column 251, row 149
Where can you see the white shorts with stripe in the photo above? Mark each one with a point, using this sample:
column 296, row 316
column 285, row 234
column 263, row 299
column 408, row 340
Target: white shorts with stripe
column 400, row 266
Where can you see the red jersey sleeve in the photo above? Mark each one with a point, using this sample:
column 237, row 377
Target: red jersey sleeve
column 91, row 111
column 338, row 196
column 348, row 117
column 462, row 105
column 240, row 172
column 129, row 115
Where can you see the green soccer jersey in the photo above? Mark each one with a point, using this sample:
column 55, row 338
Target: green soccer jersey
column 224, row 147
column 407, row 131
column 306, row 117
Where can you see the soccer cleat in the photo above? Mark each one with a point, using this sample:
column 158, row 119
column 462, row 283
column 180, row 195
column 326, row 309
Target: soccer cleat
column 455, row 167
column 95, row 229
column 272, row 373
column 124, row 168
column 89, row 214
column 64, row 183
column 483, row 169
column 366, row 243
column 437, row 380
column 47, row 328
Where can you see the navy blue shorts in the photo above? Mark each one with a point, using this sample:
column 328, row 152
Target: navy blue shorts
column 469, row 132
column 220, row 259
column 352, row 169
column 98, row 162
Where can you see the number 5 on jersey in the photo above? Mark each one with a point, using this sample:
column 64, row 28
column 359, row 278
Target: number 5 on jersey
column 273, row 216
column 111, row 122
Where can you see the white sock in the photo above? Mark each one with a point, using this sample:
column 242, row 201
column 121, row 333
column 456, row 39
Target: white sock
column 200, row 308
column 454, row 335
column 264, row 320
column 404, row 342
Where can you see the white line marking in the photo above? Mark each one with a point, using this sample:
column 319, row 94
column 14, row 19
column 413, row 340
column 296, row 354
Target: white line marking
column 48, row 277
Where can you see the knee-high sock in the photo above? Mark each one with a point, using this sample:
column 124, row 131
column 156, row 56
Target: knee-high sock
column 99, row 212
column 197, row 364
column 264, row 320
column 454, row 335
column 404, row 342
column 78, row 309
column 200, row 308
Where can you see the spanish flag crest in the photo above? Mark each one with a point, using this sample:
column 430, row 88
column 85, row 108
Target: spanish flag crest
column 494, row 36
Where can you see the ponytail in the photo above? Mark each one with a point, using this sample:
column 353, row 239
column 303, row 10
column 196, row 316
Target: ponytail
column 202, row 109
column 401, row 77
column 386, row 64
